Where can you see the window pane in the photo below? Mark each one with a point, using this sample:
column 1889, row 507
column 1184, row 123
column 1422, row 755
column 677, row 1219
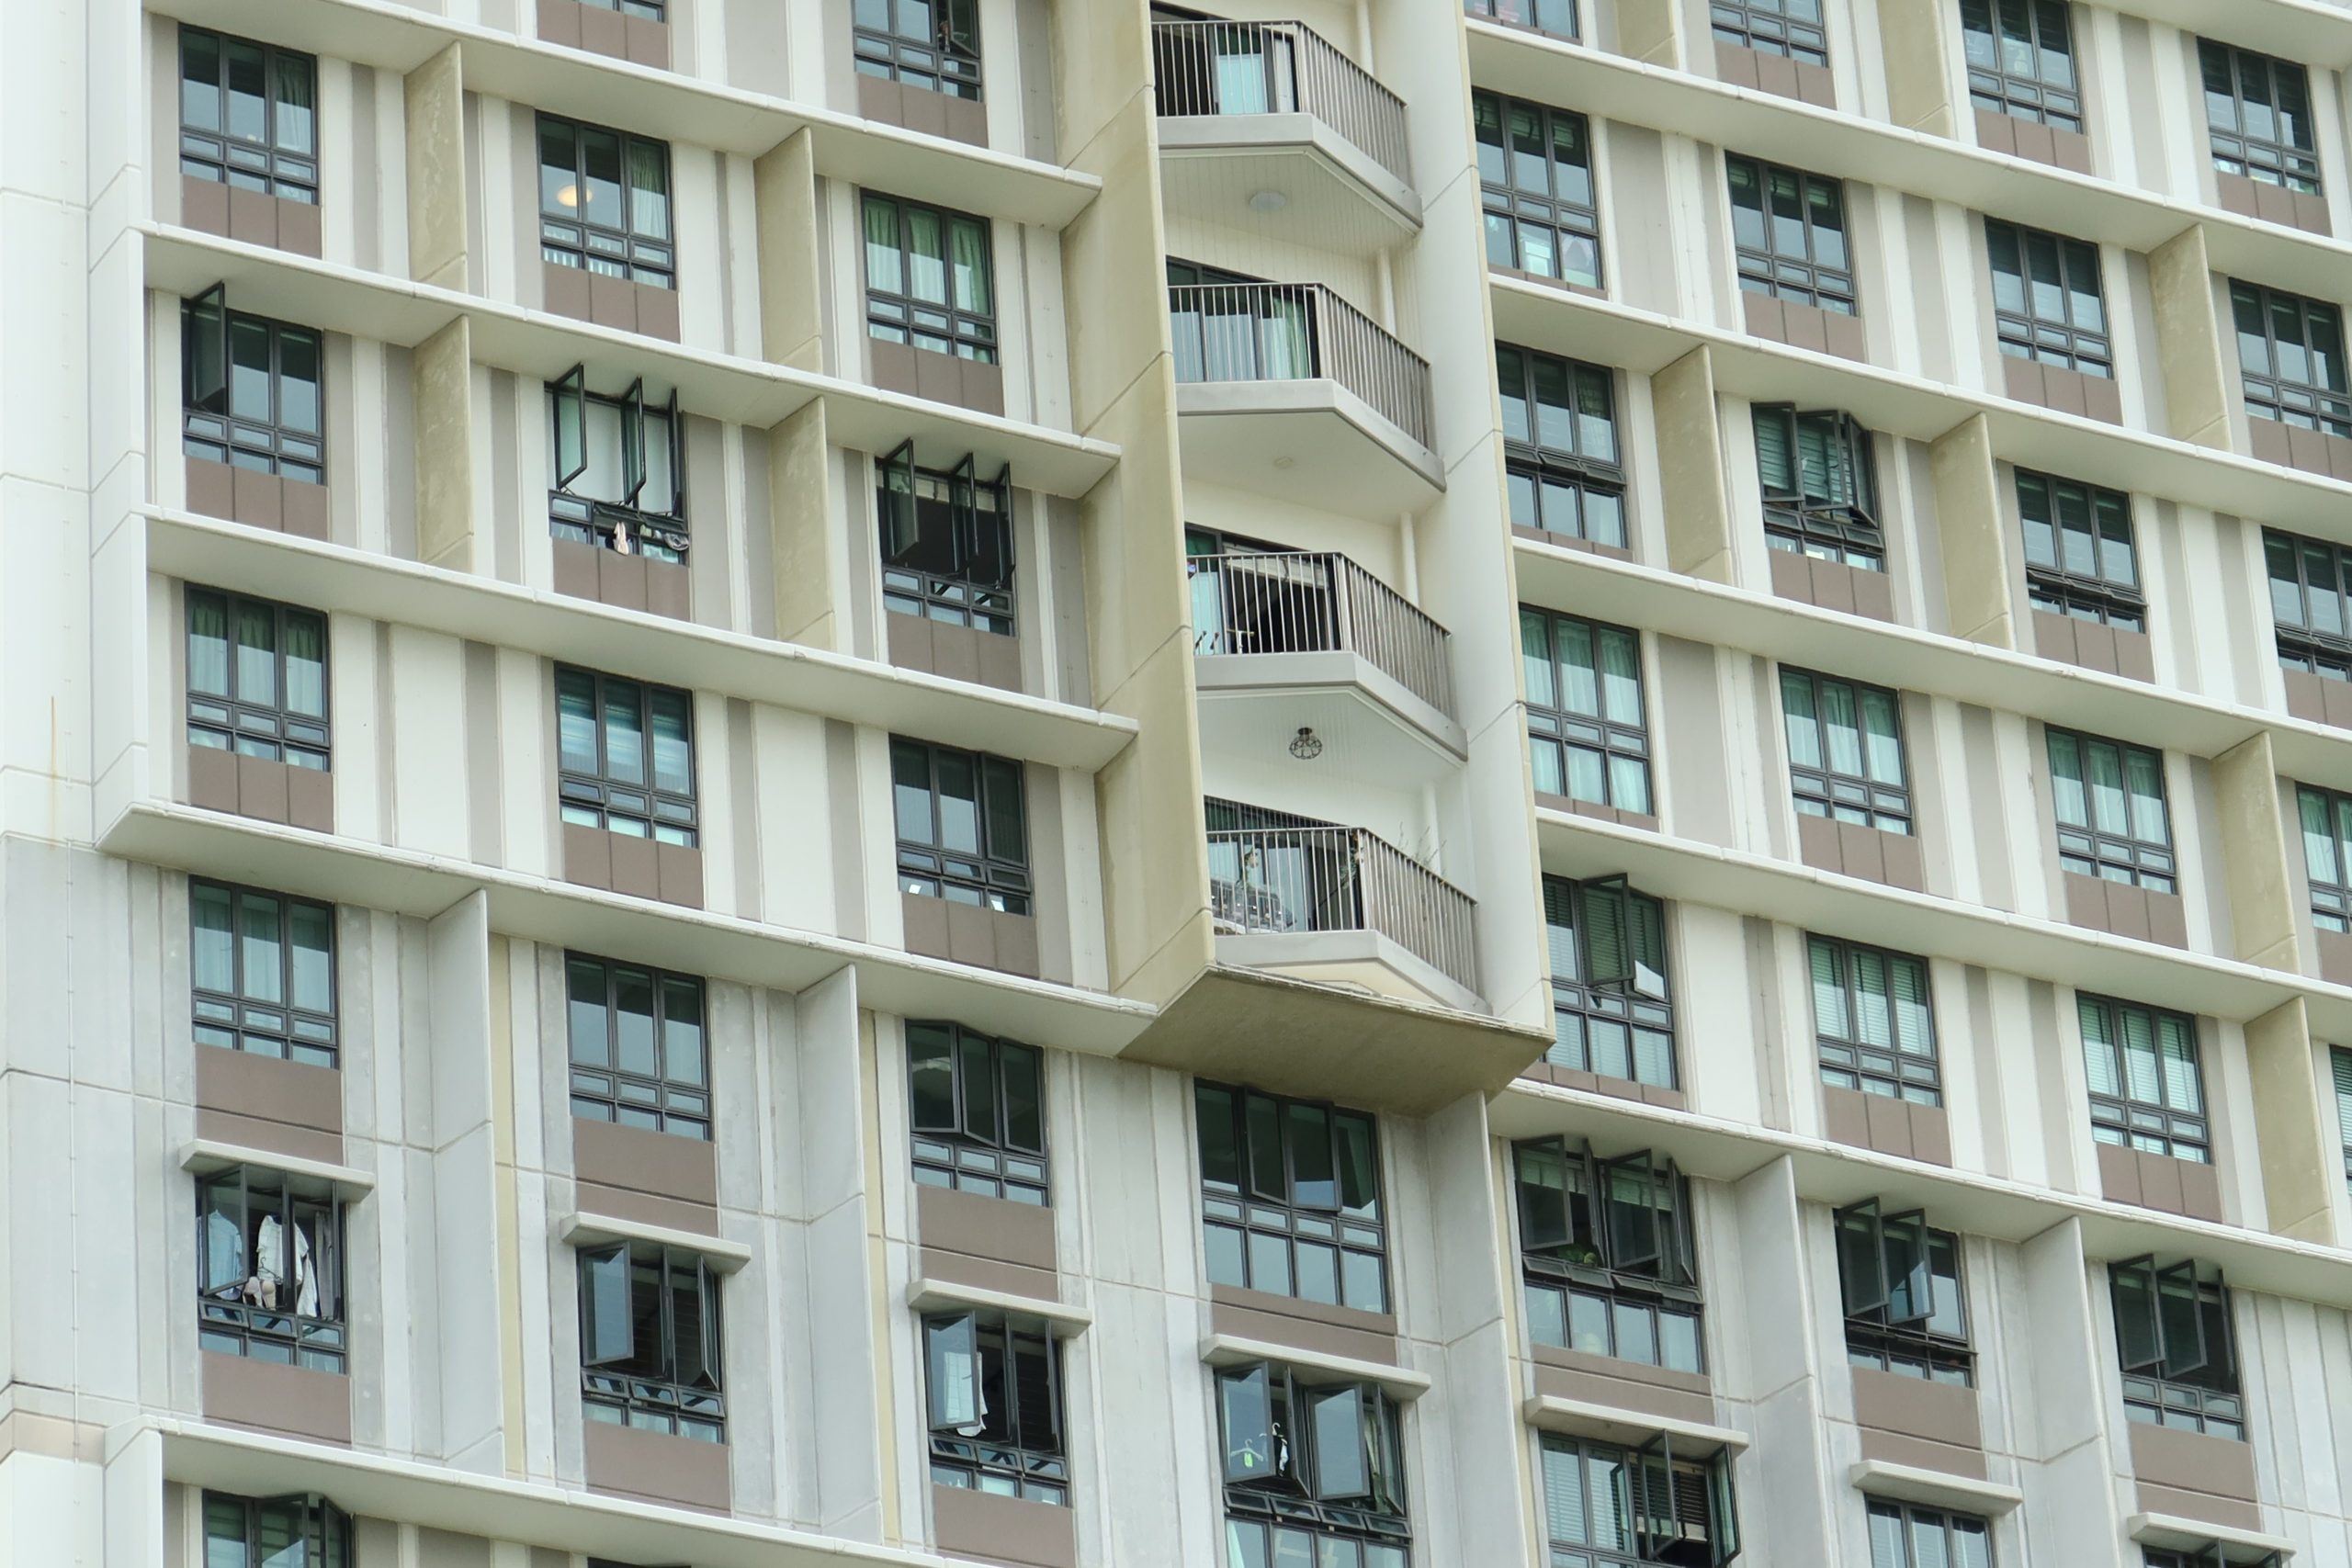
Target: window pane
column 306, row 664
column 673, row 752
column 633, row 1022
column 649, row 189
column 624, row 732
column 681, row 1037
column 208, row 644
column 1024, row 1111
column 931, row 1072
column 586, row 1011
column 261, row 958
column 213, row 956
column 314, row 957
column 882, row 269
column 575, row 698
column 293, row 108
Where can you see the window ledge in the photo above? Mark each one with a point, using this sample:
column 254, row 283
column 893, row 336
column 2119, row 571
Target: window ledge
column 204, row 1156
column 1610, row 1423
column 1229, row 1350
column 1941, row 1489
column 2171, row 1532
column 1062, row 1320
column 585, row 1229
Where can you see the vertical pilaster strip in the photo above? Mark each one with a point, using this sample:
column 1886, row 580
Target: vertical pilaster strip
column 437, row 171
column 1691, row 472
column 509, row 1240
column 2254, row 855
column 792, row 308
column 2299, row 1168
column 465, row 1167
column 2189, row 340
column 1918, row 68
column 805, row 548
column 442, row 385
column 1968, row 524
column 1651, row 31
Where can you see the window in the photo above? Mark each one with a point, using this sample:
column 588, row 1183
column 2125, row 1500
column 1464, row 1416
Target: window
column 1905, row 1534
column 1605, row 1251
column 2111, row 818
column 604, row 777
column 946, row 542
column 302, row 1531
column 1229, row 326
column 978, row 1112
column 263, row 970
column 2173, row 1338
column 1819, row 476
column 2309, row 579
column 651, row 10
column 924, row 44
column 604, row 202
column 1314, row 1471
column 256, row 678
column 1561, row 461
column 271, row 1261
column 1791, row 27
column 1557, row 17
column 252, row 391
column 637, row 1051
column 1291, row 1198
column 248, row 116
column 2021, row 60
column 928, row 280
column 1535, row 166
column 2211, row 1555
column 1584, row 710
column 2079, row 559
column 650, row 1340
column 2147, row 1090
column 1789, row 229
column 2339, row 1062
column 2291, row 357
column 1872, row 1013
column 1906, row 1311
column 963, row 831
column 2327, row 854
column 995, row 1407
column 1604, row 1505
column 1845, row 750
column 2046, row 299
column 620, row 470
column 1611, row 1012
column 2258, row 113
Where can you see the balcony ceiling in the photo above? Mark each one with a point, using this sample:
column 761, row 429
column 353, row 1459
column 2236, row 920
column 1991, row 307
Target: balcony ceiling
column 1334, row 198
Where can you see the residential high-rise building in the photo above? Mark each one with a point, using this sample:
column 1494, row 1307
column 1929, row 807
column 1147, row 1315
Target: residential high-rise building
column 831, row 784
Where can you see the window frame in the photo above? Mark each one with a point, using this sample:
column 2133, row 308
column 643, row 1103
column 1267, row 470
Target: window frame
column 674, row 1104
column 1911, row 1518
column 1547, row 484
column 2339, row 1063
column 965, row 1156
column 1906, row 1073
column 2290, row 164
column 307, row 1034
column 1762, row 267
column 2329, row 883
column 1634, row 998
column 290, row 172
column 1570, row 222
column 978, row 588
column 996, row 1447
column 2084, row 846
column 995, row 878
column 229, row 720
column 672, row 1393
column 897, row 314
column 1565, row 733
column 1355, row 1235
column 1840, row 522
column 2129, row 1119
column 623, row 525
column 2022, row 329
column 2109, row 595
column 1534, row 11
column 1830, row 790
column 2153, row 1396
column 1627, row 1495
column 949, row 63
column 1885, row 1264
column 1298, row 1490
column 1774, row 27
column 2302, row 645
column 2272, row 392
column 567, row 237
column 1623, row 1280
column 231, row 1324
column 212, row 429
column 2031, row 95
column 324, row 1529
column 665, row 813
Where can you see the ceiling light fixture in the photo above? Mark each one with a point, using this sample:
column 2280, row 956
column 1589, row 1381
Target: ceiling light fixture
column 1305, row 745
column 1268, row 201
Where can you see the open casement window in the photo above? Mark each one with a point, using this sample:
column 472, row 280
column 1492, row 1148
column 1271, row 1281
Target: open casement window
column 1310, row 1459
column 251, row 391
column 1683, row 1510
column 947, row 541
column 995, row 1404
column 1900, row 1281
column 2174, row 1342
column 933, row 44
column 1291, row 1196
column 1611, row 1005
column 978, row 1112
column 270, row 1269
column 650, row 1340
column 620, row 470
column 1820, row 485
column 248, row 116
column 304, row 1530
column 1606, row 1254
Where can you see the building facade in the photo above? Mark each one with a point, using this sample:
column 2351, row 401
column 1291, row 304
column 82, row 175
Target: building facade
column 1068, row 783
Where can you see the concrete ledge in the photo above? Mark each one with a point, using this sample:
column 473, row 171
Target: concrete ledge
column 1293, row 954
column 203, row 1156
column 597, row 1230
column 1632, row 1427
column 1386, row 210
column 1231, row 1350
column 1061, row 1320
column 2171, row 1532
column 1345, row 455
column 1938, row 1488
column 1237, row 677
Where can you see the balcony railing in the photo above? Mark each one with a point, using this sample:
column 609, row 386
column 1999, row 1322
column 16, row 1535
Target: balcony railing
column 1297, row 332
column 1316, row 602
column 1215, row 68
column 1339, row 879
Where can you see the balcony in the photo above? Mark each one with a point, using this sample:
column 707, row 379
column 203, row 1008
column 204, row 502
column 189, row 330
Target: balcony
column 1292, row 639
column 1267, row 124
column 1334, row 413
column 1340, row 906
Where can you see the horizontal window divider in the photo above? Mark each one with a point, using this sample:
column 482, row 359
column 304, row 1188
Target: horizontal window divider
column 1937, row 1488
column 1746, row 121
column 1058, row 1318
column 340, row 577
column 669, row 936
column 1314, row 1366
column 585, row 1229
column 649, row 102
column 507, row 336
column 204, row 1157
column 1615, row 1424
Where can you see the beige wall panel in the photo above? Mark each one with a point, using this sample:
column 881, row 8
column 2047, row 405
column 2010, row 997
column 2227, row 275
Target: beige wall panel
column 1698, row 518
column 442, row 381
column 2189, row 340
column 436, row 171
column 783, row 184
column 1968, row 522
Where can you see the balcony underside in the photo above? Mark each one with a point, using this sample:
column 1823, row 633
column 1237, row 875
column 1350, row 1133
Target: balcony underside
column 1362, row 961
column 1310, row 442
column 1373, row 730
column 1335, row 196
column 1291, row 1036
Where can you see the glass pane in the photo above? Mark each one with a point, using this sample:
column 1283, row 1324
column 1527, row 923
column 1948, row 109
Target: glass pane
column 1249, row 1425
column 1336, row 1416
column 310, row 931
column 213, row 956
column 306, row 664
column 649, row 189
column 600, row 161
column 931, row 1072
column 559, row 169
column 586, row 1012
column 910, row 789
column 208, row 644
column 297, row 380
column 294, row 110
column 1025, row 1112
column 978, row 1080
column 633, row 1022
column 682, row 1036
column 575, row 698
column 673, row 752
column 1220, row 1153
column 257, row 654
column 248, row 90
column 199, row 79
column 249, row 370
column 261, row 958
column 624, row 732
column 882, row 252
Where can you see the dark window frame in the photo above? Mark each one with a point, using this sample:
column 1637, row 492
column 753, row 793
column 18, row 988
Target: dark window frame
column 2328, row 876
column 1818, row 472
column 2037, row 93
column 323, row 1528
column 1278, row 1476
column 641, row 252
column 1564, row 457
column 2225, row 72
column 1794, row 29
column 2145, row 1108
column 1594, row 1279
column 1617, row 749
column 2339, row 1063
column 1892, row 1281
column 896, row 312
column 1553, row 216
column 1667, row 1508
column 672, row 1393
column 2089, row 843
column 1910, row 1518
column 213, row 339
column 667, row 1099
column 2281, row 386
column 1245, row 1223
column 996, row 1447
column 2211, row 1555
column 1612, row 985
column 2180, row 1368
column 627, row 523
column 992, row 874
column 1824, row 788
column 261, row 1023
column 2311, row 619
column 239, row 1311
column 947, row 62
column 230, row 720
column 1850, row 1057
column 957, row 1150
column 2048, row 299
column 1553, row 19
column 2081, row 551
column 661, row 812
column 946, row 542
column 281, row 161
column 1823, row 275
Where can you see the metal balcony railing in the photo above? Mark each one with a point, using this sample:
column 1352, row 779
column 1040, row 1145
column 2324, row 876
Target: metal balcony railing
column 1213, row 68
column 1295, row 331
column 1316, row 602
column 1339, row 879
